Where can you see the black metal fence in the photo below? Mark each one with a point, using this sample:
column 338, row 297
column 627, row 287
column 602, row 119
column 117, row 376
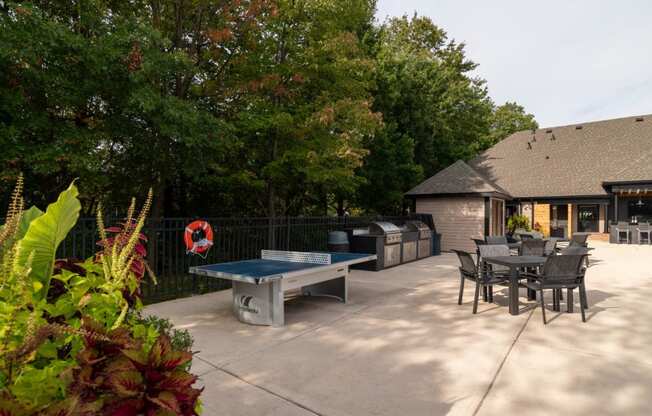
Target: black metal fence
column 234, row 239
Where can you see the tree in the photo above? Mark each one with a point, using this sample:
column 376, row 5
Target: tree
column 116, row 93
column 505, row 120
column 388, row 172
column 433, row 108
column 248, row 107
column 308, row 108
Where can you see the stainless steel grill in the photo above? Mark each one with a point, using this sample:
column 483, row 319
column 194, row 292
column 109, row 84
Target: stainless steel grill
column 421, row 227
column 391, row 232
column 381, row 238
column 425, row 238
column 409, row 239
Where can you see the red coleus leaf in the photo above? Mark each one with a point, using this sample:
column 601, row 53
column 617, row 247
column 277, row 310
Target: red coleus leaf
column 114, row 229
column 140, row 250
column 174, row 359
column 138, row 268
column 177, row 380
column 88, row 356
column 126, row 383
column 153, row 376
column 137, row 357
column 124, row 407
column 188, row 397
column 107, row 242
column 166, row 401
column 72, row 265
column 160, row 349
column 122, row 363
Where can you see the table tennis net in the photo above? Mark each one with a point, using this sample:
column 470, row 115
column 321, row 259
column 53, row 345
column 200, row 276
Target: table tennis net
column 296, row 256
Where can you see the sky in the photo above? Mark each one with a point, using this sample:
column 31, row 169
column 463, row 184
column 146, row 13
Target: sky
column 566, row 61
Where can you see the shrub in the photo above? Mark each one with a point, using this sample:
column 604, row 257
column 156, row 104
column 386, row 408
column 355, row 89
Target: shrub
column 518, row 221
column 71, row 342
column 180, row 339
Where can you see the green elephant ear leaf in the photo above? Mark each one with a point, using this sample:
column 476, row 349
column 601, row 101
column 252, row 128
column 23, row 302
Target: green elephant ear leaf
column 26, row 219
column 45, row 233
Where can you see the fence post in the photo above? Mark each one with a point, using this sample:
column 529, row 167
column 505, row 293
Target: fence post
column 287, row 244
column 271, row 234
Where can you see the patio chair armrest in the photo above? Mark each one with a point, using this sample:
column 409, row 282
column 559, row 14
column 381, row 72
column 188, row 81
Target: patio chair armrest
column 530, row 275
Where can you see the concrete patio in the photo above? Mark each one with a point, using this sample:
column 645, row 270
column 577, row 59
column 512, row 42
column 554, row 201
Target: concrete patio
column 402, row 346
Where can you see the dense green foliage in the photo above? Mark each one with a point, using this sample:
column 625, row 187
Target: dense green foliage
column 507, row 119
column 248, row 107
column 72, row 341
column 518, row 221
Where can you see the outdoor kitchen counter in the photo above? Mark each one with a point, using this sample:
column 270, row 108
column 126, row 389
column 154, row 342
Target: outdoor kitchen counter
column 633, row 233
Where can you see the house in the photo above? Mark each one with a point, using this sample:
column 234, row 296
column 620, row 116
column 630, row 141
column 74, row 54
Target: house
column 576, row 178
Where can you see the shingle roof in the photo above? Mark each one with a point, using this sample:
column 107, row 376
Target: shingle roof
column 458, row 178
column 565, row 161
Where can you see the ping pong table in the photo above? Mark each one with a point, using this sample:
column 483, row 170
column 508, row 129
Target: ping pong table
column 260, row 285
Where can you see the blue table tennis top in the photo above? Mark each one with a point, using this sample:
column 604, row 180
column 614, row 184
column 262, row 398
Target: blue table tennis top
column 256, row 270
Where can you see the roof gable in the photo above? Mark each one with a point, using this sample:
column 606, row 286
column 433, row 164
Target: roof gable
column 458, row 178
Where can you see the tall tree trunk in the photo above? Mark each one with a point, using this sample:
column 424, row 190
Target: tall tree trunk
column 340, row 206
column 271, row 187
column 158, row 207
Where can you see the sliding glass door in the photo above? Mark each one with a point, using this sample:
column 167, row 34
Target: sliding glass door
column 588, row 217
column 558, row 220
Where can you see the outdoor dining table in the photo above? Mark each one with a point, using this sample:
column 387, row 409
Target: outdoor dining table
column 515, row 263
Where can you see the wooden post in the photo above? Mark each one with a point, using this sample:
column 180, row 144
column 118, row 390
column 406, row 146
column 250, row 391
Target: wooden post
column 542, row 216
column 570, row 220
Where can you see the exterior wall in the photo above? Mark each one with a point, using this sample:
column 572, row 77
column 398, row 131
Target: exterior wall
column 542, row 216
column 457, row 220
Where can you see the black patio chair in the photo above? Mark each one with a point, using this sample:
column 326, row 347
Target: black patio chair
column 492, row 250
column 496, row 239
column 533, row 247
column 470, row 271
column 579, row 240
column 579, row 251
column 478, row 242
column 575, row 250
column 550, row 247
column 560, row 272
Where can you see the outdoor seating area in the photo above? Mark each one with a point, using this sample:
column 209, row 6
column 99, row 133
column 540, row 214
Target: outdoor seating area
column 534, row 263
column 403, row 345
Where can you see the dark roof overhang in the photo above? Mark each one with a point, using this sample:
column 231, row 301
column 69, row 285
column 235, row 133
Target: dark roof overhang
column 574, row 199
column 628, row 187
column 462, row 195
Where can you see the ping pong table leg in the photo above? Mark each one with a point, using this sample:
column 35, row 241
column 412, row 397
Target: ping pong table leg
column 277, row 304
column 259, row 304
column 336, row 287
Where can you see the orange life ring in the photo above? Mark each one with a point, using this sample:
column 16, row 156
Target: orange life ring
column 198, row 237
